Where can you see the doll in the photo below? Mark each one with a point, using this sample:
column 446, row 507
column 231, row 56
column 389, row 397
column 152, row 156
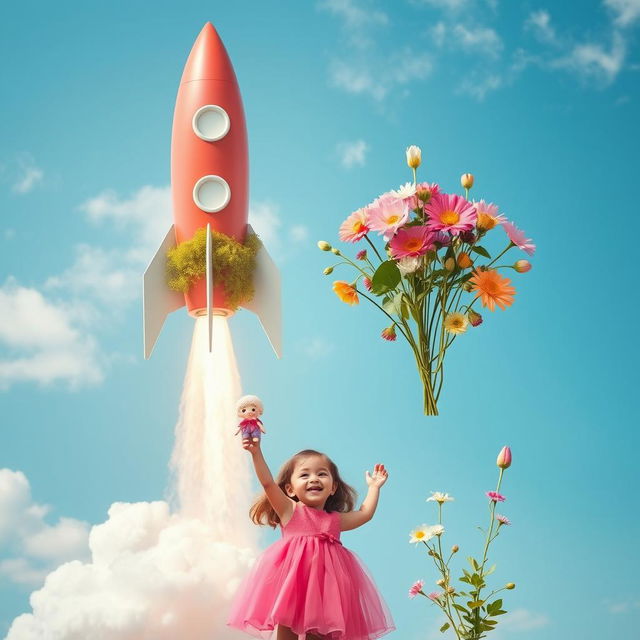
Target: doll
column 250, row 409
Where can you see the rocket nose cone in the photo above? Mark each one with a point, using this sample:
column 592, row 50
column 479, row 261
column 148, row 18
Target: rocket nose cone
column 208, row 59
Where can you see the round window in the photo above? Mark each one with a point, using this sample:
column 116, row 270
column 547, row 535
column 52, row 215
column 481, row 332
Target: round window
column 211, row 193
column 211, row 122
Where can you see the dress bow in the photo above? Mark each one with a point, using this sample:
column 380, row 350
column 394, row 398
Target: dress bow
column 329, row 537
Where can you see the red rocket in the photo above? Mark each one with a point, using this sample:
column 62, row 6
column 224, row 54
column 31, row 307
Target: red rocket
column 210, row 189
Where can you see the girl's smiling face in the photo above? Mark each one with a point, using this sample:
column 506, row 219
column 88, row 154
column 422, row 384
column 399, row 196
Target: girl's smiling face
column 311, row 482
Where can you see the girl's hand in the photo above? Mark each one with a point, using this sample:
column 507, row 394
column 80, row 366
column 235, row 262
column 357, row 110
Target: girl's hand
column 251, row 446
column 378, row 477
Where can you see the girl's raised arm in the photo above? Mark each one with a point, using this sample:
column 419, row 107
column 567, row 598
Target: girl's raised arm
column 355, row 519
column 281, row 503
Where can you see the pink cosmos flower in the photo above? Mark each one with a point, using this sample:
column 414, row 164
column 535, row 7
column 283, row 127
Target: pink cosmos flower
column 411, row 241
column 416, row 588
column 488, row 216
column 366, row 283
column 503, row 519
column 495, row 496
column 519, row 238
column 355, row 227
column 434, row 595
column 451, row 213
column 361, row 255
column 387, row 214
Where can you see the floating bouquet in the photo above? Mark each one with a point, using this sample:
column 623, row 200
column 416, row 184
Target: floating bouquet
column 433, row 255
column 469, row 612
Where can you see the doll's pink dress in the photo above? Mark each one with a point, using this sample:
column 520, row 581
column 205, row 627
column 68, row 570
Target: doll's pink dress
column 309, row 582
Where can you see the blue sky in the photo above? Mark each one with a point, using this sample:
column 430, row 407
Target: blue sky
column 538, row 100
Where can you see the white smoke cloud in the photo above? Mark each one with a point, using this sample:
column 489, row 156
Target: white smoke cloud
column 152, row 574
column 155, row 574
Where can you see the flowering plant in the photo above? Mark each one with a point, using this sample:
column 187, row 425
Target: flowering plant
column 470, row 613
column 433, row 254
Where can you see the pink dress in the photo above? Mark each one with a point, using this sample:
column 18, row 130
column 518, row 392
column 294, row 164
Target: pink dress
column 309, row 582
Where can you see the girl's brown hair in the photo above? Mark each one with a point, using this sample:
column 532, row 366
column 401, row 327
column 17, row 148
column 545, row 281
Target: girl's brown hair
column 343, row 499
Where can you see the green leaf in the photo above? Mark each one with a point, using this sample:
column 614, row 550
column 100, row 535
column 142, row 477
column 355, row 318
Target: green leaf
column 386, row 278
column 444, row 627
column 498, row 613
column 474, row 604
column 488, row 572
column 475, row 566
column 459, row 607
column 481, row 251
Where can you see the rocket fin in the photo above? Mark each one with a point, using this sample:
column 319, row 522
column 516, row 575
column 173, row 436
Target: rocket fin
column 158, row 300
column 266, row 302
column 209, row 272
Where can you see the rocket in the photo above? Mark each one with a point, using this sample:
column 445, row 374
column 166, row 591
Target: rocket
column 210, row 189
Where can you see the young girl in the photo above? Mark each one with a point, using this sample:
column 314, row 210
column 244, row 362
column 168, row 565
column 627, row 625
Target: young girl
column 307, row 584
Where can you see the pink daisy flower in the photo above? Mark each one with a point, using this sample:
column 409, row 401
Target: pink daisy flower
column 361, row 255
column 519, row 238
column 495, row 496
column 451, row 213
column 503, row 519
column 355, row 227
column 488, row 215
column 434, row 595
column 411, row 241
column 366, row 283
column 387, row 214
column 416, row 588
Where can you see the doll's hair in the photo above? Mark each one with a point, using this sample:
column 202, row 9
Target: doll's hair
column 245, row 401
column 342, row 500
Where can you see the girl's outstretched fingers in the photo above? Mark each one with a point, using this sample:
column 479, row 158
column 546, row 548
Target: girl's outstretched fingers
column 378, row 477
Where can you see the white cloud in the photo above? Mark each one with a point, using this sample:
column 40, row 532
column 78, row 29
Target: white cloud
column 593, row 62
column 447, row 5
column 626, row 11
column 539, row 23
column 622, row 606
column 379, row 78
column 353, row 14
column 29, row 175
column 482, row 39
column 519, row 620
column 317, row 348
column 151, row 574
column 35, row 547
column 478, row 86
column 146, row 215
column 353, row 154
column 42, row 342
column 266, row 222
column 299, row 234
column 110, row 277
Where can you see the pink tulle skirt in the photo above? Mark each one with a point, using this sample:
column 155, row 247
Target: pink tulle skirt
column 311, row 584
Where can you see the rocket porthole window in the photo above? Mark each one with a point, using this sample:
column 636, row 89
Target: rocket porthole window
column 211, row 193
column 211, row 122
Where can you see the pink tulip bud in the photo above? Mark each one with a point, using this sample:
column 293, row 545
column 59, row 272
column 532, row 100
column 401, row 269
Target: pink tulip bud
column 504, row 458
column 522, row 266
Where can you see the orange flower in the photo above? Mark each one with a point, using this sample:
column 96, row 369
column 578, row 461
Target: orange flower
column 345, row 292
column 464, row 261
column 492, row 289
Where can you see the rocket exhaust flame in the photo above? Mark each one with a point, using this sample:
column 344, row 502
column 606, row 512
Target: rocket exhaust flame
column 211, row 478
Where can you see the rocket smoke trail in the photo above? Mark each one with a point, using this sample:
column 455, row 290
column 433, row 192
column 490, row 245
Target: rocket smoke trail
column 210, row 468
column 157, row 573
